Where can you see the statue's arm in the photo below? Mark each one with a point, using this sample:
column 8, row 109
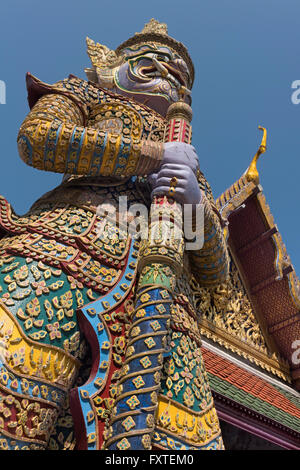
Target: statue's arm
column 55, row 135
column 210, row 264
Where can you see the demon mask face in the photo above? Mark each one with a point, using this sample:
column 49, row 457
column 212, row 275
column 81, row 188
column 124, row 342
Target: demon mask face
column 156, row 77
column 150, row 67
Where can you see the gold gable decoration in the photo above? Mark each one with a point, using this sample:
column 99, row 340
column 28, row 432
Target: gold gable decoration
column 226, row 317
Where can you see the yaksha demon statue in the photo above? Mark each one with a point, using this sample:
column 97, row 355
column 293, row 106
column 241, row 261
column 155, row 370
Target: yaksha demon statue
column 100, row 345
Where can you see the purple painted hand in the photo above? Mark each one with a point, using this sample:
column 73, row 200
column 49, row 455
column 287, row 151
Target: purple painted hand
column 182, row 154
column 180, row 164
column 187, row 190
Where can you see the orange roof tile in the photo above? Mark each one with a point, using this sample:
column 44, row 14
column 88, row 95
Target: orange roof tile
column 247, row 381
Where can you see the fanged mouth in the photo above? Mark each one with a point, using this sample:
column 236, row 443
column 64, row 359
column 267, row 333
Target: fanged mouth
column 152, row 71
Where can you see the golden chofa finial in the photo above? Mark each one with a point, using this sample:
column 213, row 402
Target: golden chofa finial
column 252, row 173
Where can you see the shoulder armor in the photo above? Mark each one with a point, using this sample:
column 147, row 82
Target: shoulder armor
column 10, row 223
column 72, row 87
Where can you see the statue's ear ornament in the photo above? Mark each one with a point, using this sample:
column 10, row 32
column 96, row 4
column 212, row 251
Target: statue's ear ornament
column 104, row 61
column 101, row 56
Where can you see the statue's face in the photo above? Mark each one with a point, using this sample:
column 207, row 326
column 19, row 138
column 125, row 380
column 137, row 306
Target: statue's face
column 152, row 76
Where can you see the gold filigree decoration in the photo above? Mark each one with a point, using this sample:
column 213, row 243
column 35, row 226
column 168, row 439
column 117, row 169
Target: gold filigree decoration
column 227, row 318
column 104, row 61
column 101, row 56
column 227, row 306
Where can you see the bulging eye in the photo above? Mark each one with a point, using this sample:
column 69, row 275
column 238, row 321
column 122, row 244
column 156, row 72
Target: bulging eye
column 163, row 58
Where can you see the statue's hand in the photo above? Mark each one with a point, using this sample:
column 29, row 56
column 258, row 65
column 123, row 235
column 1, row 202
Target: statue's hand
column 187, row 190
column 181, row 154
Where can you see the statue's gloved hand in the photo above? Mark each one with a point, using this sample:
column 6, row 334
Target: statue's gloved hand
column 184, row 180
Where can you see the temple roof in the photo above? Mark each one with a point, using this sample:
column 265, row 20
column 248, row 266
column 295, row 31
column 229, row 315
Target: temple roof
column 260, row 407
column 265, row 268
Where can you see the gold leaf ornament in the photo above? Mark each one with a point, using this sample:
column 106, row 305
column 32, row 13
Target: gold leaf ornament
column 104, row 61
column 101, row 56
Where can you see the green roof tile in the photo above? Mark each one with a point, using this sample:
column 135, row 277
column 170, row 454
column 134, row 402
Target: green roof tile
column 254, row 403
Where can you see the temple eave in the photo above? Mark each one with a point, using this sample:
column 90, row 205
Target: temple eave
column 262, row 259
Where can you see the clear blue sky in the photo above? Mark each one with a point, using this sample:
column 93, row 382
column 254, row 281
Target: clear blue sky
column 246, row 56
